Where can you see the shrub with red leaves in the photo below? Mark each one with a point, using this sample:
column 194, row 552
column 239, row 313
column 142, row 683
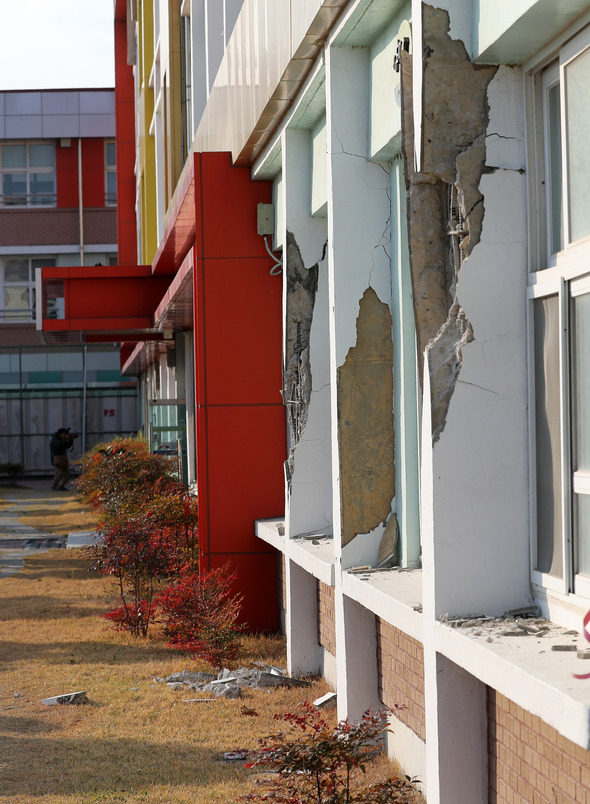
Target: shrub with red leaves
column 202, row 615
column 139, row 558
column 316, row 763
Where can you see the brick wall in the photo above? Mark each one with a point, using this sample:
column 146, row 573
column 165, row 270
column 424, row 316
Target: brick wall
column 55, row 227
column 326, row 617
column 400, row 668
column 529, row 761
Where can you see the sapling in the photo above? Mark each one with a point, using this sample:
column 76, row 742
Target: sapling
column 317, row 763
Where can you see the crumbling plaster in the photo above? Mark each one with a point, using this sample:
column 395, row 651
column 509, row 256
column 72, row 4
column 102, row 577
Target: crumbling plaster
column 365, row 416
column 445, row 206
column 302, row 285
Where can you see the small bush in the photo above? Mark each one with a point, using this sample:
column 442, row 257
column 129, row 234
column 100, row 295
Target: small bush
column 139, row 559
column 315, row 763
column 201, row 615
column 119, row 477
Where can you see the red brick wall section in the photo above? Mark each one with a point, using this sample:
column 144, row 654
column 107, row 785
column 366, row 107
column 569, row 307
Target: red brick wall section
column 326, row 617
column 55, row 227
column 529, row 761
column 400, row 666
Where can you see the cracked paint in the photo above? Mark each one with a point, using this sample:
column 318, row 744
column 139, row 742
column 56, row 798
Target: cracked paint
column 365, row 422
column 302, row 285
column 445, row 206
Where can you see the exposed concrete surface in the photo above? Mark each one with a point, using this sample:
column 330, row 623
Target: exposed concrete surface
column 302, row 285
column 445, row 205
column 365, row 417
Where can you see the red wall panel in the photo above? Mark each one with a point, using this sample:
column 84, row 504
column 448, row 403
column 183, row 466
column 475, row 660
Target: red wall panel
column 241, row 442
column 66, row 162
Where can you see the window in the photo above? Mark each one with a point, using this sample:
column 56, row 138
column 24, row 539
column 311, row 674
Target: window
column 559, row 293
column 17, row 287
column 110, row 173
column 27, row 170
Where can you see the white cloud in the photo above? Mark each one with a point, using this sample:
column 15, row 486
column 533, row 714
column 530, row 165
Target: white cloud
column 56, row 44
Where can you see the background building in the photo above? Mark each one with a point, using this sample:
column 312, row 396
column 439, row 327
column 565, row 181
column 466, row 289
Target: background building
column 57, row 208
column 425, row 344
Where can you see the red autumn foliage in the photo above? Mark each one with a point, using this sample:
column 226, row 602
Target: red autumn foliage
column 201, row 615
column 317, row 763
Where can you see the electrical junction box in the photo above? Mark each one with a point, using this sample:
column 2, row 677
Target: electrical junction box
column 266, row 219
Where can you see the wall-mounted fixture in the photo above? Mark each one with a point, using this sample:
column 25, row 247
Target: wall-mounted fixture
column 266, row 226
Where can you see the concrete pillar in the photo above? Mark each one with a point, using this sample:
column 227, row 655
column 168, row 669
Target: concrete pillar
column 456, row 734
column 305, row 302
column 303, row 648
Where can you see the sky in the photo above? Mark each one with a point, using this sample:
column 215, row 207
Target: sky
column 56, row 44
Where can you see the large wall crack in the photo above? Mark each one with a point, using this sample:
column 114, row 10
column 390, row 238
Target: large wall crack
column 302, row 285
column 445, row 206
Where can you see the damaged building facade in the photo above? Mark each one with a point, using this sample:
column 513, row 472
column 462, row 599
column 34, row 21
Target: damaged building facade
column 365, row 230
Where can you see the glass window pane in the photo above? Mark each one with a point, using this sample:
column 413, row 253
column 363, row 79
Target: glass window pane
column 42, row 155
column 580, row 347
column 577, row 83
column 16, row 270
column 14, row 186
column 42, row 188
column 14, row 156
column 582, row 531
column 16, row 298
column 548, row 444
column 41, row 262
column 554, row 188
column 111, row 151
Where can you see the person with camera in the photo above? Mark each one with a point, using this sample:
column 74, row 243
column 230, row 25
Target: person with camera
column 61, row 442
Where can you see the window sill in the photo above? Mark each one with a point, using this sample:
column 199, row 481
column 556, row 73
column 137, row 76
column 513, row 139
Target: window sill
column 527, row 670
column 394, row 595
column 317, row 559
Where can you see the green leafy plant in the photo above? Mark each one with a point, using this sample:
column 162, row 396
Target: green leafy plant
column 201, row 615
column 317, row 763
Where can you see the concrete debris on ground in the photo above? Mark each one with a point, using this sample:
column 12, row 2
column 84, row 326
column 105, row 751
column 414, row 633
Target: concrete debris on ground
column 229, row 683
column 68, row 698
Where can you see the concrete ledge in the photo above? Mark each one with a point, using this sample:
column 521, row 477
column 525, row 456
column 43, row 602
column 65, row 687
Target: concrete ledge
column 82, row 538
column 317, row 559
column 394, row 596
column 526, row 670
column 271, row 531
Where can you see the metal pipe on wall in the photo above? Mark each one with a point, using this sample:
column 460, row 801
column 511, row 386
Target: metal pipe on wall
column 80, row 201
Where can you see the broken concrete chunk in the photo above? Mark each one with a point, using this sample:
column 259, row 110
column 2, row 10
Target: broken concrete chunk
column 68, row 698
column 325, row 700
column 564, row 647
column 190, row 676
column 584, row 654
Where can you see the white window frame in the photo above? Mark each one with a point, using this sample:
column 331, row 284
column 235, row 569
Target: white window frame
column 27, row 171
column 565, row 274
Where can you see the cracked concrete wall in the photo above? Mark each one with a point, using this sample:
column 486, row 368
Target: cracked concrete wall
column 302, row 286
column 365, row 417
column 445, row 206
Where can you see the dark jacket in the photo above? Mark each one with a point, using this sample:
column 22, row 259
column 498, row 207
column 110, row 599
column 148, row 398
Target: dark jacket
column 59, row 446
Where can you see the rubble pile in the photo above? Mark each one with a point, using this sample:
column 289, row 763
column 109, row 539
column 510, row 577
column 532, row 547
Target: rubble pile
column 229, row 683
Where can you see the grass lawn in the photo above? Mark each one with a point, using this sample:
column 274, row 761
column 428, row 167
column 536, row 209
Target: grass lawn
column 135, row 740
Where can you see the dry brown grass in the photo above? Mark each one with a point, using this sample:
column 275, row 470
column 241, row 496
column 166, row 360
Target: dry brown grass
column 136, row 740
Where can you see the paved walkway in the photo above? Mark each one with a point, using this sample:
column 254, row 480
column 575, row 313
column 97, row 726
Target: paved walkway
column 17, row 541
